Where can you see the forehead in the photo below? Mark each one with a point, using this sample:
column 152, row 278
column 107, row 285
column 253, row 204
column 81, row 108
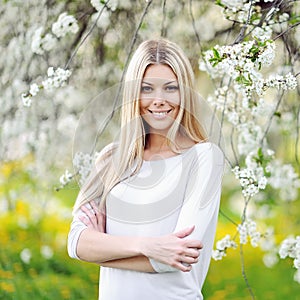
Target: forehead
column 160, row 71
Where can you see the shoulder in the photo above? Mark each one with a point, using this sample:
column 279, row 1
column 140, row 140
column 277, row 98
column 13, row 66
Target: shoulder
column 209, row 152
column 105, row 152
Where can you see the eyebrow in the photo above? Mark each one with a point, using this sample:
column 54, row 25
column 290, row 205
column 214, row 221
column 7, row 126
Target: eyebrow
column 149, row 83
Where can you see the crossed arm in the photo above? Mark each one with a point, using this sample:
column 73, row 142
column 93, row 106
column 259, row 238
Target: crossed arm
column 133, row 253
column 172, row 252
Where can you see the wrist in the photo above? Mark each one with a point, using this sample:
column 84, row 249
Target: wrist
column 144, row 246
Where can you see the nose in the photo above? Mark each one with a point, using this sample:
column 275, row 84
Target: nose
column 159, row 102
column 159, row 98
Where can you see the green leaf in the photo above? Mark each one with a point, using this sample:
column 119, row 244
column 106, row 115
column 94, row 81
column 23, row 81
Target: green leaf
column 216, row 53
column 260, row 153
column 277, row 114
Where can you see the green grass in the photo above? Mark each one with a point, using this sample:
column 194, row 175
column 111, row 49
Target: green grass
column 225, row 279
column 59, row 277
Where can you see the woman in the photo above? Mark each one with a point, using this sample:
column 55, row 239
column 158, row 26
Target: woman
column 148, row 213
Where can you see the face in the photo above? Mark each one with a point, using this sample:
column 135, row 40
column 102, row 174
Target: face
column 159, row 98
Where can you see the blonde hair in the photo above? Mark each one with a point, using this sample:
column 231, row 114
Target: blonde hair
column 125, row 158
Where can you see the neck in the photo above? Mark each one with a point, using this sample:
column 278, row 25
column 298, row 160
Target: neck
column 157, row 142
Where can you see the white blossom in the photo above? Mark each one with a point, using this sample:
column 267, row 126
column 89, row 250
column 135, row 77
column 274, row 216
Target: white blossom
column 287, row 82
column 270, row 260
column 284, row 17
column 83, row 162
column 290, row 247
column 97, row 4
column 268, row 54
column 65, row 178
column 297, row 276
column 56, row 78
column 26, row 99
column 46, row 251
column 34, row 89
column 26, row 255
column 248, row 230
column 285, row 179
column 64, row 25
column 262, row 34
column 112, row 4
column 221, row 247
column 42, row 42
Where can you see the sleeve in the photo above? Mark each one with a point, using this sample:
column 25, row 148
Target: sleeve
column 77, row 226
column 76, row 229
column 202, row 199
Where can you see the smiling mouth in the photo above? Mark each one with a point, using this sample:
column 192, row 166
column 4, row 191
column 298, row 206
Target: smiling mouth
column 160, row 113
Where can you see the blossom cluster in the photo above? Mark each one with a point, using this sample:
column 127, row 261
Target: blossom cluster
column 64, row 25
column 111, row 4
column 65, row 178
column 268, row 245
column 238, row 11
column 290, row 247
column 26, row 254
column 83, row 162
column 56, row 78
column 43, row 42
column 243, row 62
column 222, row 246
column 287, row 82
column 247, row 229
column 251, row 180
column 284, row 178
column 240, row 61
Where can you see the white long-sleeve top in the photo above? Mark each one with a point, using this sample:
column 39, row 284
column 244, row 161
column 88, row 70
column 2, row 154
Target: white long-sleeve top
column 165, row 196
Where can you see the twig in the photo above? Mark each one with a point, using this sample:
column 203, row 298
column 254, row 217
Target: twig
column 194, row 25
column 287, row 30
column 271, row 118
column 116, row 99
column 244, row 272
column 232, row 145
column 243, row 30
column 297, row 137
column 163, row 31
column 228, row 218
column 86, row 36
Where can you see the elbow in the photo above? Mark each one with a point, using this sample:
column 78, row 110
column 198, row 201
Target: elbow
column 72, row 247
column 73, row 241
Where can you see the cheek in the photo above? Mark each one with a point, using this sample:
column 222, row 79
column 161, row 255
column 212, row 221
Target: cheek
column 174, row 99
column 143, row 104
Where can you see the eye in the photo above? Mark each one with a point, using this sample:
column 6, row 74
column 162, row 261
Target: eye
column 146, row 89
column 171, row 88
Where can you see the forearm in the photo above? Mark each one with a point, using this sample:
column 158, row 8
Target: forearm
column 97, row 247
column 91, row 245
column 136, row 263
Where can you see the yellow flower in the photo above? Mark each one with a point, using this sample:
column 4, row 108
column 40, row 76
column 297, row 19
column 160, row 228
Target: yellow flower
column 7, row 287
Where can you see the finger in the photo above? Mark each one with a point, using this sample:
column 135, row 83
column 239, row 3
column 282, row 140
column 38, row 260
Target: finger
column 185, row 232
column 193, row 244
column 188, row 260
column 90, row 215
column 95, row 207
column 85, row 220
column 184, row 267
column 191, row 252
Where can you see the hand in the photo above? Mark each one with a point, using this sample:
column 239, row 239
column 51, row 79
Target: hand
column 93, row 218
column 174, row 250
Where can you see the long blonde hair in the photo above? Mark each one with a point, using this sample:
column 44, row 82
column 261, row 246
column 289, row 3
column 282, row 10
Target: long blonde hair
column 125, row 158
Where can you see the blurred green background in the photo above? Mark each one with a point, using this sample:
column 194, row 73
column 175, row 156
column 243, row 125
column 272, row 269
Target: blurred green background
column 35, row 217
column 35, row 264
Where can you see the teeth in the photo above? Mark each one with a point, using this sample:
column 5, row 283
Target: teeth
column 160, row 113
